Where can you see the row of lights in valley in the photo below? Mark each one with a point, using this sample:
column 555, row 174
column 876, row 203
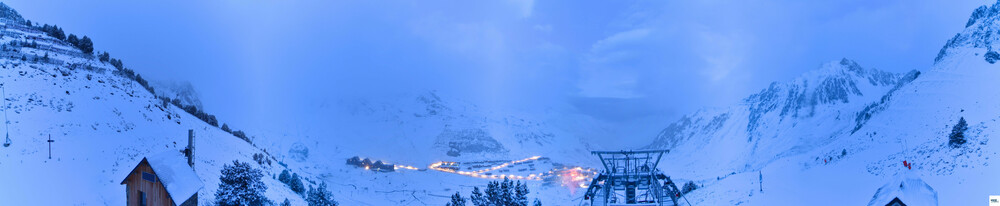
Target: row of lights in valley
column 567, row 176
column 397, row 167
column 447, row 167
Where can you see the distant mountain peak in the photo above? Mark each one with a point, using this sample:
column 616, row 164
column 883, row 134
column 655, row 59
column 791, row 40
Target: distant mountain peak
column 981, row 31
column 836, row 82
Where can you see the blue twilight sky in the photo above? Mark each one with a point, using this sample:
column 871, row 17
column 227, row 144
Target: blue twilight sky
column 253, row 61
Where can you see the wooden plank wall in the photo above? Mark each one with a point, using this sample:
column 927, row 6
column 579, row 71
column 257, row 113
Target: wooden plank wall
column 155, row 192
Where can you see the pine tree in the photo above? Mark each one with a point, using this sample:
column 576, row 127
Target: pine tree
column 688, row 187
column 320, row 196
column 502, row 193
column 477, row 197
column 225, row 127
column 537, row 202
column 521, row 194
column 86, row 45
column 105, row 57
column 456, row 200
column 240, row 185
column 284, row 177
column 957, row 137
column 493, row 193
column 295, row 183
column 506, row 192
column 286, row 203
column 73, row 40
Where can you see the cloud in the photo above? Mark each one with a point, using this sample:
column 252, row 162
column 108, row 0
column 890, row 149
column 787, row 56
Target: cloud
column 722, row 54
column 546, row 28
column 609, row 69
column 524, row 7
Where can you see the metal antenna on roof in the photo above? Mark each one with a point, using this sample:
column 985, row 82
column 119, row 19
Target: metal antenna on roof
column 3, row 91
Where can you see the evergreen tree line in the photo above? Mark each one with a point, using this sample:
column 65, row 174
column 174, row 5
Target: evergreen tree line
column 54, row 31
column 84, row 44
column 240, row 184
column 497, row 193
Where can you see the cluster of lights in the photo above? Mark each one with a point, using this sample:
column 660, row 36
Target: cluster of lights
column 397, row 167
column 480, row 173
column 572, row 177
column 506, row 164
column 576, row 176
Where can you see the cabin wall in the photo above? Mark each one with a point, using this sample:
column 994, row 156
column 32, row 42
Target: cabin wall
column 156, row 194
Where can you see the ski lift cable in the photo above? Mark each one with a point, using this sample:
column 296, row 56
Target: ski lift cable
column 686, row 199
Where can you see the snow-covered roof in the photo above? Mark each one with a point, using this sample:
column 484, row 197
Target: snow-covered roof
column 912, row 191
column 177, row 177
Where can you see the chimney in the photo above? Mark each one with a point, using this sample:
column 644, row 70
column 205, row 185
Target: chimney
column 189, row 151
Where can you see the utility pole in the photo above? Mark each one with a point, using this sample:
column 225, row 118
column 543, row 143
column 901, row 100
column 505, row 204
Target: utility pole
column 50, row 145
column 761, row 184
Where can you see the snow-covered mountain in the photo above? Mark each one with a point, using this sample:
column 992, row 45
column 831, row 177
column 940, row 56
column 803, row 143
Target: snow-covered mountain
column 181, row 91
column 840, row 132
column 781, row 120
column 102, row 123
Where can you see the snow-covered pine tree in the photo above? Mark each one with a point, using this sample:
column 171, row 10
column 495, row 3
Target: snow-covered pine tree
column 506, row 192
column 477, row 197
column 501, row 193
column 286, row 203
column 537, row 202
column 320, row 196
column 240, row 185
column 688, row 187
column 493, row 193
column 284, row 177
column 957, row 136
column 456, row 200
column 521, row 194
column 295, row 183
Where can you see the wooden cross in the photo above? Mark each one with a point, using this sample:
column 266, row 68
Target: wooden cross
column 50, row 145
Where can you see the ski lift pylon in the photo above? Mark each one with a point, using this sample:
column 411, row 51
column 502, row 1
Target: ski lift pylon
column 6, row 122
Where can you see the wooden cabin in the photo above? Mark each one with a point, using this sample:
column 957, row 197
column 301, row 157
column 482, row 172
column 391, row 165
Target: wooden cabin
column 163, row 179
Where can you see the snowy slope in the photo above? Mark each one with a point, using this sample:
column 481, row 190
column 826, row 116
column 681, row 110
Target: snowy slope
column 842, row 151
column 778, row 121
column 103, row 124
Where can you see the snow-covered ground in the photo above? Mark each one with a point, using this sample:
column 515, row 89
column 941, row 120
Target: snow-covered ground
column 833, row 136
column 102, row 125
